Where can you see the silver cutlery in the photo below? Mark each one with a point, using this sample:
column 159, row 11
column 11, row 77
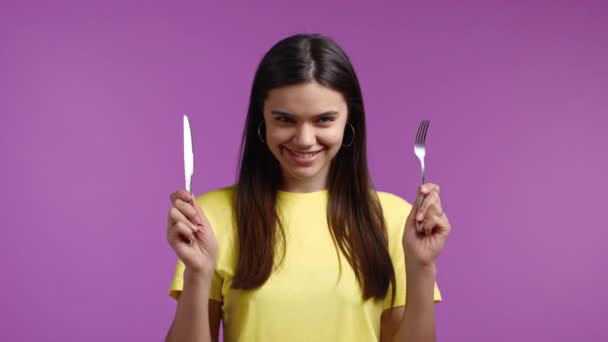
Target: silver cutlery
column 420, row 150
column 188, row 157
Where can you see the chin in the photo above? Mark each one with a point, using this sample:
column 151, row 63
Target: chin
column 303, row 174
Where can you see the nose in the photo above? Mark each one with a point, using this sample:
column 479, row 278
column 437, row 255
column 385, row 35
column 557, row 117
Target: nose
column 305, row 136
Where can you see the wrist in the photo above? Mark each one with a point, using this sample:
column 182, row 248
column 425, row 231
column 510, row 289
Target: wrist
column 197, row 279
column 421, row 270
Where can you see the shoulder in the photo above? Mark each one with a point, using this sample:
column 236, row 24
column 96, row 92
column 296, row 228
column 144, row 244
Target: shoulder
column 218, row 207
column 395, row 210
column 393, row 204
column 217, row 198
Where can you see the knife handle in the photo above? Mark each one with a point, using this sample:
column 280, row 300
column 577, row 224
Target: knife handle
column 189, row 185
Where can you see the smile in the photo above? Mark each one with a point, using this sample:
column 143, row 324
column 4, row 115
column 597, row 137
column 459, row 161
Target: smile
column 302, row 158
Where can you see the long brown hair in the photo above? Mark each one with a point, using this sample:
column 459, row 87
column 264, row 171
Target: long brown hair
column 354, row 212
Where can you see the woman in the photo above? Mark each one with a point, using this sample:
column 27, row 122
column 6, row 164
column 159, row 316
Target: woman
column 303, row 248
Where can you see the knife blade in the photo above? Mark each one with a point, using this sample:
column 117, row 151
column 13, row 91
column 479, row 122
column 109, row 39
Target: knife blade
column 188, row 154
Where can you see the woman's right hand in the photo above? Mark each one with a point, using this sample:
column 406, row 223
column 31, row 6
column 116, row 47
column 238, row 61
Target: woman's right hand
column 186, row 223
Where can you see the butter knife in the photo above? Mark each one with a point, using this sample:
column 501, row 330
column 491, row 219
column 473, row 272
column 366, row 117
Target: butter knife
column 188, row 158
column 188, row 154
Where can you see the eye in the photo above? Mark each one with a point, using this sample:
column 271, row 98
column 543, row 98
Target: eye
column 327, row 119
column 283, row 119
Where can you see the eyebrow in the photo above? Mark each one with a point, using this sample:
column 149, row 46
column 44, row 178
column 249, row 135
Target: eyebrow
column 328, row 113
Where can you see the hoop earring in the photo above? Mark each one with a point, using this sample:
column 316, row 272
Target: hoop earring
column 259, row 133
column 352, row 141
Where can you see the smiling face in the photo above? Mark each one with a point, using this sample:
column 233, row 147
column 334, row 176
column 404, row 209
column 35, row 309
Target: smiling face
column 304, row 131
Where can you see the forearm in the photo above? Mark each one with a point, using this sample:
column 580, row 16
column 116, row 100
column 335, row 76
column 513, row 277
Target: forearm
column 191, row 321
column 418, row 321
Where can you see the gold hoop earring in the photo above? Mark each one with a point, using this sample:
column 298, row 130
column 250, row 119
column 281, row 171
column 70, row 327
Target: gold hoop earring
column 352, row 141
column 260, row 134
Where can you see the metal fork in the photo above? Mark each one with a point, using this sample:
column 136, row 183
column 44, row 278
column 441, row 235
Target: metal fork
column 420, row 150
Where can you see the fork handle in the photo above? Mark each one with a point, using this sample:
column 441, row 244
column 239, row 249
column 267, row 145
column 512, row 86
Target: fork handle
column 420, row 197
column 421, row 184
column 423, row 180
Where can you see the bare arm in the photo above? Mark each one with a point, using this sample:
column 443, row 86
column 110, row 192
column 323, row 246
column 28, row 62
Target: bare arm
column 191, row 236
column 197, row 318
column 416, row 321
column 426, row 230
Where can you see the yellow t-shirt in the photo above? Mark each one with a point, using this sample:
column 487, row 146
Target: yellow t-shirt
column 305, row 299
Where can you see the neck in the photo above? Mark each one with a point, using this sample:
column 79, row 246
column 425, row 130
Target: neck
column 311, row 185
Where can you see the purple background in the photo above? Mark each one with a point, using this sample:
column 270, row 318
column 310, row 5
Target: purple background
column 91, row 98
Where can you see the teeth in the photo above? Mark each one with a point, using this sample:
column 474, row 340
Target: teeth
column 304, row 155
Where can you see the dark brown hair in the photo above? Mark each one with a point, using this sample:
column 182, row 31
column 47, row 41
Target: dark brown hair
column 354, row 212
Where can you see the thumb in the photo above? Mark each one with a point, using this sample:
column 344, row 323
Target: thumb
column 197, row 207
column 411, row 218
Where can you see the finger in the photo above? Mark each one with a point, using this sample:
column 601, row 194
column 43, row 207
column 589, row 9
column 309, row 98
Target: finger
column 423, row 191
column 176, row 215
column 437, row 225
column 181, row 194
column 199, row 212
column 429, row 224
column 421, row 228
column 430, row 205
column 443, row 225
column 180, row 229
column 188, row 209
column 426, row 188
column 433, row 209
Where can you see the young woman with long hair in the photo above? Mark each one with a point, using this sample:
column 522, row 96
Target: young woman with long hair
column 302, row 247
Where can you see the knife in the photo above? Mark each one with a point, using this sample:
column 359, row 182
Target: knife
column 188, row 154
column 188, row 159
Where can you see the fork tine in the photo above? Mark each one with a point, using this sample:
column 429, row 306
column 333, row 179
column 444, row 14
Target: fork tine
column 426, row 128
column 421, row 134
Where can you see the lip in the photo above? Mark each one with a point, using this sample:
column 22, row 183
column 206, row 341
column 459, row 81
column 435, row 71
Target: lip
column 303, row 151
column 299, row 160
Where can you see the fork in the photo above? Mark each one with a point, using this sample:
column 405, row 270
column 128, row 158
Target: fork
column 420, row 151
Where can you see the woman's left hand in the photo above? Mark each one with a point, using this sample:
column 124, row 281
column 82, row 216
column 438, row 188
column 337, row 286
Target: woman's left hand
column 426, row 228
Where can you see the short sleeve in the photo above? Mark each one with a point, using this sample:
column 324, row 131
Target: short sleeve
column 177, row 284
column 398, row 259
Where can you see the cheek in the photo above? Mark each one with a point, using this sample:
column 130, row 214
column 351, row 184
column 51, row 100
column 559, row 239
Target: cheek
column 278, row 135
column 331, row 137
